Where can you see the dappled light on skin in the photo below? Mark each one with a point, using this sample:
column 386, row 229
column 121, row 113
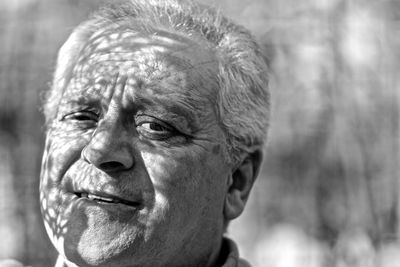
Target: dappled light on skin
column 136, row 125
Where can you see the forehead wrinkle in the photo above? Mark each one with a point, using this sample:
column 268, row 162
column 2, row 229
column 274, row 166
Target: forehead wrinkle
column 106, row 37
column 73, row 100
column 174, row 37
column 122, row 49
column 104, row 43
column 152, row 66
column 119, row 51
column 193, row 77
column 144, row 60
column 172, row 44
column 190, row 98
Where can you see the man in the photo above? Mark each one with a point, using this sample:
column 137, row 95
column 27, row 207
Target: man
column 155, row 126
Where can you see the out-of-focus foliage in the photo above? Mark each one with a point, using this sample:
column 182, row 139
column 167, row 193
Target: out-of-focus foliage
column 328, row 191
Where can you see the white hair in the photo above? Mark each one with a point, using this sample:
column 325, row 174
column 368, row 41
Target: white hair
column 243, row 98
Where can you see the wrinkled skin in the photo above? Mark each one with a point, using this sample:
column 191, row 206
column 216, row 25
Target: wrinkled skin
column 137, row 123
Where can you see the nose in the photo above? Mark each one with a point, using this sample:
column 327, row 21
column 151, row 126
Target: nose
column 110, row 147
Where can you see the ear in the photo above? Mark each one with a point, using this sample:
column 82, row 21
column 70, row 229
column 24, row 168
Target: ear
column 240, row 183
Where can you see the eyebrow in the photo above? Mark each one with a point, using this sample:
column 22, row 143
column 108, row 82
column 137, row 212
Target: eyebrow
column 79, row 101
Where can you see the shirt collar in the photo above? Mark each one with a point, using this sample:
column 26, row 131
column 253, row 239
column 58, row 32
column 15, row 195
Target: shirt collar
column 233, row 259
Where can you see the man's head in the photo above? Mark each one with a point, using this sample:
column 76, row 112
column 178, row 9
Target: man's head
column 155, row 126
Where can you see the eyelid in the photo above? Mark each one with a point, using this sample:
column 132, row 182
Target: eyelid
column 158, row 129
column 168, row 133
column 176, row 126
column 92, row 115
column 146, row 119
column 149, row 118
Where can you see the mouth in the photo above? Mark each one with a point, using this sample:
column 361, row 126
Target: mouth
column 107, row 199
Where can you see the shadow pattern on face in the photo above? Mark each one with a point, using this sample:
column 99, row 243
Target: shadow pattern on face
column 100, row 145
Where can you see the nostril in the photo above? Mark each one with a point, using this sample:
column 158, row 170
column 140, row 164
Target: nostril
column 108, row 155
column 112, row 166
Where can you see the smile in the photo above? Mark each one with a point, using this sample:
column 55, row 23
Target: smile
column 107, row 199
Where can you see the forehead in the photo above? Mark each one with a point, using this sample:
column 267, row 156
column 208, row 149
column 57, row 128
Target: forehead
column 153, row 58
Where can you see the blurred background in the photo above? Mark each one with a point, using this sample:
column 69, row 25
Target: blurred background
column 328, row 193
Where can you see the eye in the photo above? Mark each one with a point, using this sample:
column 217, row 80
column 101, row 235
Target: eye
column 155, row 129
column 81, row 116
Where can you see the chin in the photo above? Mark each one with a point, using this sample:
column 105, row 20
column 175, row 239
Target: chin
column 95, row 255
column 95, row 239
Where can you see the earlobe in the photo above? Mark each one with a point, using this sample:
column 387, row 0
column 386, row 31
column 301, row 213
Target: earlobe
column 240, row 183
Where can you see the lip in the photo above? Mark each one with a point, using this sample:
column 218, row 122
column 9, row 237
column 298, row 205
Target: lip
column 107, row 199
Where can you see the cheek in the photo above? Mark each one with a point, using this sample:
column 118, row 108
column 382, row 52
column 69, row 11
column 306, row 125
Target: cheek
column 61, row 151
column 58, row 156
column 173, row 175
column 189, row 184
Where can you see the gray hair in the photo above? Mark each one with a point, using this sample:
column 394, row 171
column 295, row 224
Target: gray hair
column 243, row 99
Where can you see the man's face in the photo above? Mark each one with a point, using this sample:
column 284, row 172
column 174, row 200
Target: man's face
column 134, row 170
